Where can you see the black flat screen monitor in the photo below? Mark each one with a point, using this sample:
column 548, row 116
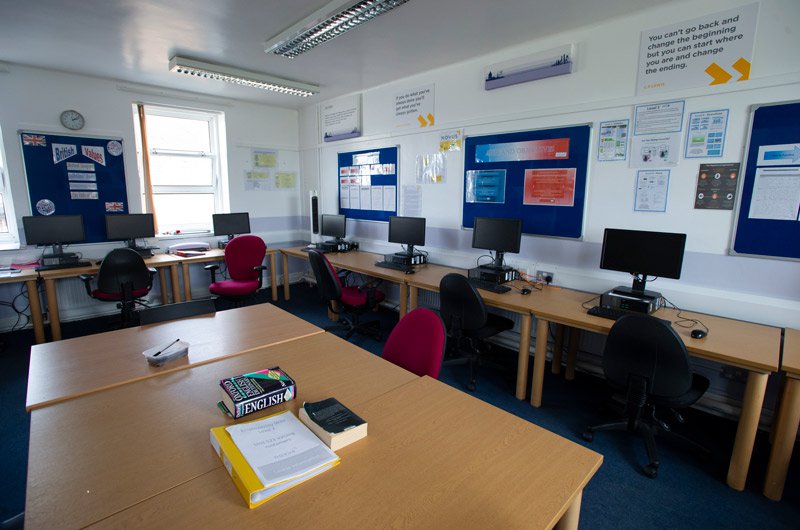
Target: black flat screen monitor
column 498, row 234
column 231, row 224
column 55, row 230
column 129, row 227
column 333, row 226
column 407, row 231
column 643, row 254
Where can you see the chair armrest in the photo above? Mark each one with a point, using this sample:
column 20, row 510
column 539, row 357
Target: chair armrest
column 260, row 269
column 87, row 282
column 213, row 268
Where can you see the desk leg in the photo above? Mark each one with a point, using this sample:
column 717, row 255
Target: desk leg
column 572, row 353
column 162, row 283
column 273, row 277
column 785, row 433
column 285, row 263
column 539, row 359
column 187, row 282
column 746, row 431
column 413, row 298
column 36, row 311
column 404, row 299
column 524, row 354
column 52, row 308
column 558, row 349
column 176, row 283
column 570, row 519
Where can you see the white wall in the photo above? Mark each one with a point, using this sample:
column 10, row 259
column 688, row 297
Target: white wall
column 32, row 99
column 602, row 88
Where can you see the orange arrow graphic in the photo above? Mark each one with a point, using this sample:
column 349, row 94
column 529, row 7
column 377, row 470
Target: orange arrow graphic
column 430, row 119
column 743, row 67
column 718, row 73
column 421, row 119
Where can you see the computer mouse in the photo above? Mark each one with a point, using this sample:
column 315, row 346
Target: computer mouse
column 311, row 245
column 410, row 271
column 699, row 334
column 525, row 290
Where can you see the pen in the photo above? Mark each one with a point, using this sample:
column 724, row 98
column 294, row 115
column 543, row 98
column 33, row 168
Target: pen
column 159, row 352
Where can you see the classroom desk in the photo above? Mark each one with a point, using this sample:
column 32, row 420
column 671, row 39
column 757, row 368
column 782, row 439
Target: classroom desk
column 67, row 369
column 356, row 261
column 217, row 254
column 160, row 262
column 753, row 347
column 428, row 278
column 434, row 457
column 788, row 418
column 96, row 455
column 30, row 278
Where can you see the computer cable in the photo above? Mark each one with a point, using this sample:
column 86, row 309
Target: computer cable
column 683, row 321
column 588, row 304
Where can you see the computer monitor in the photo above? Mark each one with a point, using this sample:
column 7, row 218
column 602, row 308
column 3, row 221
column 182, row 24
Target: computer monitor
column 129, row 227
column 408, row 231
column 53, row 230
column 333, row 226
column 643, row 254
column 498, row 234
column 231, row 224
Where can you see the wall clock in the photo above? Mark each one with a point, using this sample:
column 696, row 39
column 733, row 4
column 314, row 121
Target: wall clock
column 72, row 119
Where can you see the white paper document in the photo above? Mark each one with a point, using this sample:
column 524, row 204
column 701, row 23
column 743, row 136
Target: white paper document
column 776, row 194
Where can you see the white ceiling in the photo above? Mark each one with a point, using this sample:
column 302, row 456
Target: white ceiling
column 133, row 40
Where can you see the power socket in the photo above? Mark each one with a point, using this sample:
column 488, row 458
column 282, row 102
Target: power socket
column 545, row 277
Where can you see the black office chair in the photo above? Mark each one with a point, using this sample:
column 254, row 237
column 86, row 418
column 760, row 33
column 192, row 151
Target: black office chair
column 467, row 321
column 166, row 312
column 349, row 299
column 647, row 360
column 123, row 278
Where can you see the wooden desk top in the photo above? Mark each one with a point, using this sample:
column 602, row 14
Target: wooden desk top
column 752, row 346
column 434, row 458
column 791, row 352
column 215, row 254
column 94, row 456
column 158, row 260
column 23, row 275
column 70, row 368
column 356, row 261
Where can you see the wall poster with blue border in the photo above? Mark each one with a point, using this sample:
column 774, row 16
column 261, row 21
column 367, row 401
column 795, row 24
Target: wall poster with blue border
column 368, row 183
column 537, row 176
column 75, row 175
column 768, row 216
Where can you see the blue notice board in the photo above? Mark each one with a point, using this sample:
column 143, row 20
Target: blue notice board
column 768, row 219
column 537, row 176
column 368, row 183
column 75, row 175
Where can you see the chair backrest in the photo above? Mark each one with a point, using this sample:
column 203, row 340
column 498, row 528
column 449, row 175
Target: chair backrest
column 328, row 284
column 648, row 347
column 417, row 343
column 242, row 254
column 123, row 266
column 460, row 304
column 167, row 312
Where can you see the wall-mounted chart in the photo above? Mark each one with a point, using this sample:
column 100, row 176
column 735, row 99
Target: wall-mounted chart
column 368, row 183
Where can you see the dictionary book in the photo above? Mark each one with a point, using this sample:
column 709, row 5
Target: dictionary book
column 248, row 393
column 333, row 423
column 268, row 456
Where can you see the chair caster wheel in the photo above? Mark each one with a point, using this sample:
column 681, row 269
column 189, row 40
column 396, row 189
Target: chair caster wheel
column 650, row 471
column 587, row 435
column 471, row 387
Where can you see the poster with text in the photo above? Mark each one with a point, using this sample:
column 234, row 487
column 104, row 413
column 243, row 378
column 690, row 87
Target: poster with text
column 651, row 190
column 710, row 50
column 716, row 186
column 706, row 136
column 341, row 119
column 551, row 187
column 414, row 108
column 613, row 141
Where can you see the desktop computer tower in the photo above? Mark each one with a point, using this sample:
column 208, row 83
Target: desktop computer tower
column 627, row 299
column 494, row 275
column 401, row 258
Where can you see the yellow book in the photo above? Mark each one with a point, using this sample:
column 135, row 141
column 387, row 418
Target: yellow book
column 316, row 457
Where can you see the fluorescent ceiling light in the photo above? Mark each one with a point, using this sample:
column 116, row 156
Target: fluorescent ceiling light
column 237, row 76
column 326, row 23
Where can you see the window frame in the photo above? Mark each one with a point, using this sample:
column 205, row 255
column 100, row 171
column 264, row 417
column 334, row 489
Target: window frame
column 8, row 240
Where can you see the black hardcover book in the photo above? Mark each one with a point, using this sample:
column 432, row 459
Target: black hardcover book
column 333, row 423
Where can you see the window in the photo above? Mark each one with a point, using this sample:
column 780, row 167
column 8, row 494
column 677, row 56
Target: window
column 186, row 162
column 9, row 236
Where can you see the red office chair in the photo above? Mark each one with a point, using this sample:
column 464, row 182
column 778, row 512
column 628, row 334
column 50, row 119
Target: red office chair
column 417, row 343
column 354, row 300
column 244, row 256
column 123, row 278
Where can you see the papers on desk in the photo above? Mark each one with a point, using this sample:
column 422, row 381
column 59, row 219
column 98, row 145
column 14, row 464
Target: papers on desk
column 269, row 456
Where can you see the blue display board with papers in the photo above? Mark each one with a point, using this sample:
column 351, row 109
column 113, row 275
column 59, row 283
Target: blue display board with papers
column 368, row 183
column 71, row 175
column 537, row 176
column 768, row 218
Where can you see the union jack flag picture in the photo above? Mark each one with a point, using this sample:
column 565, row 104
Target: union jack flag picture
column 37, row 140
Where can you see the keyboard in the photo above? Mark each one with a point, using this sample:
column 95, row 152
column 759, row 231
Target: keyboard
column 73, row 265
column 488, row 286
column 393, row 265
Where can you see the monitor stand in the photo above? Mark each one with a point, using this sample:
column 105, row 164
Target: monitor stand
column 142, row 251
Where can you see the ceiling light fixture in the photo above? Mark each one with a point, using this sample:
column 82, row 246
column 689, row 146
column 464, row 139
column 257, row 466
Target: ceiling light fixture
column 191, row 67
column 326, row 23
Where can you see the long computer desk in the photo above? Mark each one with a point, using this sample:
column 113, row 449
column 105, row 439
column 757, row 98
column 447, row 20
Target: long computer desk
column 67, row 369
column 785, row 430
column 139, row 454
column 30, row 278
